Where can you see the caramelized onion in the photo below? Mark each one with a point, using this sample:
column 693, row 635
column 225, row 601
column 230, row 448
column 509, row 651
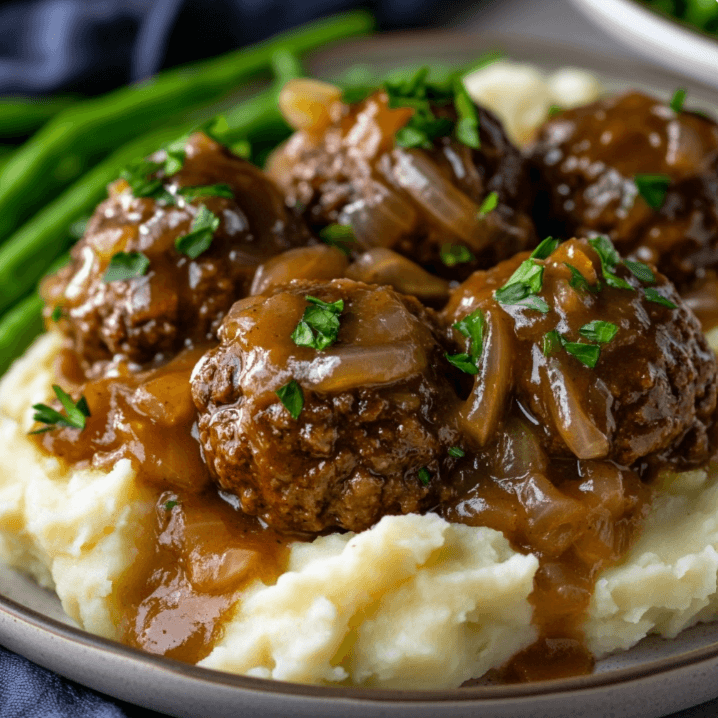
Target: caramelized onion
column 308, row 104
column 414, row 172
column 319, row 262
column 381, row 218
column 579, row 432
column 382, row 266
column 480, row 413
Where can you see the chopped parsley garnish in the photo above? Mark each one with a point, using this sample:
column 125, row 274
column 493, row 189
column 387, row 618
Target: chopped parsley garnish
column 554, row 110
column 545, row 248
column 551, row 342
column 609, row 261
column 241, row 148
column 456, row 451
column 587, row 354
column 641, row 271
column 579, row 282
column 523, row 287
column 339, row 236
column 679, row 97
column 489, row 204
column 292, row 398
column 174, row 161
column 424, row 476
column 453, row 254
column 216, row 129
column 597, row 331
column 212, row 190
column 138, row 174
column 77, row 228
column 74, row 417
column 126, row 265
column 56, row 314
column 355, row 95
column 201, row 233
column 319, row 326
column 463, row 362
column 467, row 124
column 652, row 295
column 473, row 326
column 169, row 505
column 652, row 188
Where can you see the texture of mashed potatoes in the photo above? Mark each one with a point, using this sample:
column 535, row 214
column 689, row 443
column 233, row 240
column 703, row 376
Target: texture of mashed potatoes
column 413, row 602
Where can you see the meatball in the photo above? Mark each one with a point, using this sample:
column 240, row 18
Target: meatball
column 360, row 436
column 588, row 158
column 607, row 365
column 182, row 296
column 417, row 201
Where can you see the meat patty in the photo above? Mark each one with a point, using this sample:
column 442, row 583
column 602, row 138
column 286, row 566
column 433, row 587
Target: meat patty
column 180, row 299
column 369, row 438
column 590, row 156
column 416, row 201
column 609, row 366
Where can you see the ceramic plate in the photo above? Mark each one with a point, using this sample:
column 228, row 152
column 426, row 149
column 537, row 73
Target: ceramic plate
column 668, row 42
column 653, row 679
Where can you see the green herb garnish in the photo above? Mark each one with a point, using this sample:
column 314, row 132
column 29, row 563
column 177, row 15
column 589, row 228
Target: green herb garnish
column 641, row 271
column 652, row 295
column 339, row 236
column 456, row 451
column 554, row 110
column 169, row 505
column 652, row 188
column 201, row 233
column 319, row 326
column 489, row 204
column 463, row 362
column 56, row 314
column 545, row 248
column 523, row 286
column 610, row 259
column 597, row 331
column 587, row 354
column 174, row 161
column 355, row 95
column 453, row 254
column 424, row 476
column 137, row 176
column 679, row 97
column 75, row 413
column 579, row 282
column 551, row 343
column 473, row 326
column 292, row 398
column 126, row 265
column 467, row 124
column 212, row 190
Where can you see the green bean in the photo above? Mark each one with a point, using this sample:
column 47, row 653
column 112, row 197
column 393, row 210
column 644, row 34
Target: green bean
column 21, row 116
column 18, row 328
column 96, row 125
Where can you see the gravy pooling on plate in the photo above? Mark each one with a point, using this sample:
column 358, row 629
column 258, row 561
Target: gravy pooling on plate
column 271, row 389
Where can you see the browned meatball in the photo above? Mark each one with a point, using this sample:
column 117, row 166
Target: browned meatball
column 180, row 300
column 589, row 156
column 414, row 201
column 641, row 385
column 369, row 439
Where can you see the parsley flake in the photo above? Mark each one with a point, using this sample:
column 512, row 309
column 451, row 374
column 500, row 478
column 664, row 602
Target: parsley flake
column 551, row 343
column 74, row 417
column 523, row 286
column 319, row 326
column 137, row 176
column 653, row 188
column 652, row 295
column 424, row 476
column 463, row 362
column 453, row 254
column 554, row 110
column 456, row 451
column 610, row 259
column 641, row 271
column 473, row 326
column 201, row 234
column 339, row 236
column 587, row 354
column 545, row 248
column 292, row 398
column 489, row 204
column 597, row 331
column 212, row 190
column 579, row 282
column 679, row 97
column 467, row 124
column 169, row 505
column 56, row 314
column 126, row 265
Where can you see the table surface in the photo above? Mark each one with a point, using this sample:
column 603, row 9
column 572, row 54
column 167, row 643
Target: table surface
column 552, row 20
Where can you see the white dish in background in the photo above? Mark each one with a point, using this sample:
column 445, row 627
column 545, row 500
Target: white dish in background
column 653, row 679
column 665, row 41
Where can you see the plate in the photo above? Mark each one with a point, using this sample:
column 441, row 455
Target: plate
column 653, row 679
column 668, row 42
